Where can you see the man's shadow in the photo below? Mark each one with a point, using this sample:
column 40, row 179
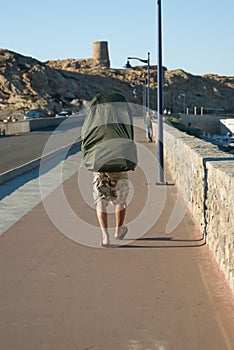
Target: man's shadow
column 174, row 243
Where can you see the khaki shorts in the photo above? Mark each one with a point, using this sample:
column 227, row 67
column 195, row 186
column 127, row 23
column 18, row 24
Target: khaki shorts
column 111, row 187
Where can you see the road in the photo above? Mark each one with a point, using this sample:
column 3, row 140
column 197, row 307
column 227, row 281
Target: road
column 20, row 149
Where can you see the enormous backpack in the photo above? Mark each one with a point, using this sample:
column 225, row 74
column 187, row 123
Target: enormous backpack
column 108, row 136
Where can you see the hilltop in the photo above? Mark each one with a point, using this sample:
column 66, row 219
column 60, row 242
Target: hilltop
column 26, row 83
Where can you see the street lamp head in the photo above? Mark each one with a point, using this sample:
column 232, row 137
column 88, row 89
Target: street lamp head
column 139, row 59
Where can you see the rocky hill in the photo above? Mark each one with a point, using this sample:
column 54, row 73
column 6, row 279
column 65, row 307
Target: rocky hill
column 26, row 84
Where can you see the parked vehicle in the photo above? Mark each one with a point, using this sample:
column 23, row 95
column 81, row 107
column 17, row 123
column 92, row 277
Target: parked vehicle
column 10, row 120
column 31, row 115
column 64, row 113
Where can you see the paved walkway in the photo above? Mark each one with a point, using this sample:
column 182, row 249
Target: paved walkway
column 160, row 291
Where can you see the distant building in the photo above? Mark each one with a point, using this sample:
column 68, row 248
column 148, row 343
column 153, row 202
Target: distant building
column 101, row 54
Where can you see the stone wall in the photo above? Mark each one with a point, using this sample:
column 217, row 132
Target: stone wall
column 15, row 128
column 25, row 126
column 207, row 123
column 205, row 177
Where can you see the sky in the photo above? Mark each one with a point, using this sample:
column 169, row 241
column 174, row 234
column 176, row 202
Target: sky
column 197, row 35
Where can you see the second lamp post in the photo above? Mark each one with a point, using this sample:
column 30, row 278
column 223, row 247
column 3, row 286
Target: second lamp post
column 148, row 75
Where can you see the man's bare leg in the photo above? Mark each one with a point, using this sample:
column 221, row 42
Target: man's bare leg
column 102, row 219
column 120, row 212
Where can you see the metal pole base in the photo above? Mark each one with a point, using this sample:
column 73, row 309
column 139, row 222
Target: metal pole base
column 165, row 183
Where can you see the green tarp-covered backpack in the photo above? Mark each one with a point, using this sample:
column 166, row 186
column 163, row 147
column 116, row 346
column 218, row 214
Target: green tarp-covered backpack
column 107, row 135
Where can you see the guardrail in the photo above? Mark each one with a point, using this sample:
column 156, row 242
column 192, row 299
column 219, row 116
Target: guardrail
column 35, row 163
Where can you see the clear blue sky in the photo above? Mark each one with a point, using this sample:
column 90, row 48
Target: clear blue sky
column 197, row 34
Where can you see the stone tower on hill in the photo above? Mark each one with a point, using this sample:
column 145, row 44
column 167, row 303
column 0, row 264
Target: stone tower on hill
column 101, row 54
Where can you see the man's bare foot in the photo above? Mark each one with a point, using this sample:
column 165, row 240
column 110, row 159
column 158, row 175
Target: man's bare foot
column 102, row 245
column 122, row 232
column 105, row 238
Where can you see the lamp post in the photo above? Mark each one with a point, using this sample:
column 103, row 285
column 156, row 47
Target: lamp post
column 128, row 65
column 144, row 83
column 182, row 94
column 160, row 99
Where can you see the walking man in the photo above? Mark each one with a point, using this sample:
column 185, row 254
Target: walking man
column 109, row 151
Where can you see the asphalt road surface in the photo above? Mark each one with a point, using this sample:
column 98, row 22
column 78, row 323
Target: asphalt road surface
column 20, row 149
